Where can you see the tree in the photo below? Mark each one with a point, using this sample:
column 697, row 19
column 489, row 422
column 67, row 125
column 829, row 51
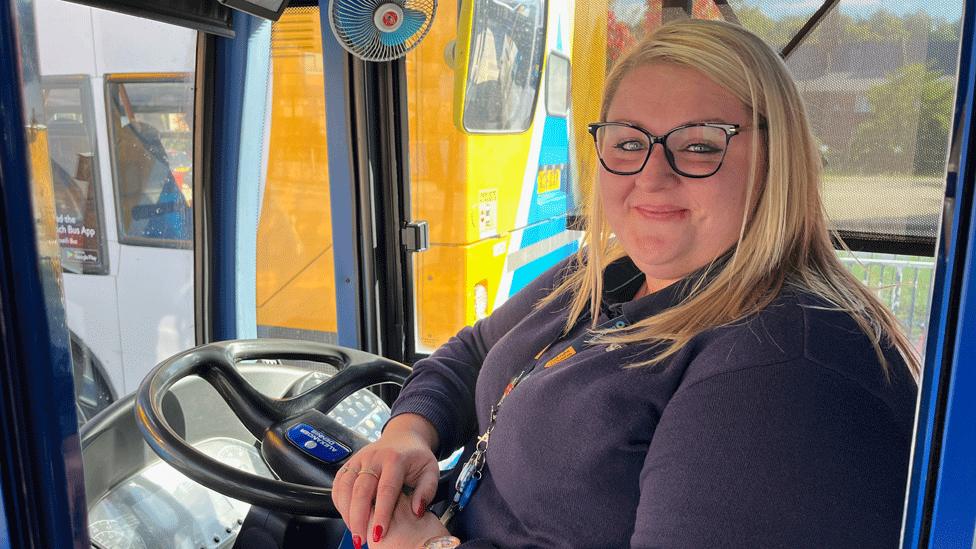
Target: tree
column 909, row 123
column 619, row 38
column 653, row 17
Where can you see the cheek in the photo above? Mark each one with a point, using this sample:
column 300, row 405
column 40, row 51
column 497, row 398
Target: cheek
column 612, row 193
column 726, row 200
column 723, row 206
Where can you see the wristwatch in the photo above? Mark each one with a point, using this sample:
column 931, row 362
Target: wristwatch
column 441, row 542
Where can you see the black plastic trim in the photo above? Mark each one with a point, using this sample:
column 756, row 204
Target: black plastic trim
column 203, row 147
column 202, row 15
column 808, row 27
column 886, row 243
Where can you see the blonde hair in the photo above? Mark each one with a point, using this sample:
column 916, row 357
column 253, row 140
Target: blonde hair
column 784, row 240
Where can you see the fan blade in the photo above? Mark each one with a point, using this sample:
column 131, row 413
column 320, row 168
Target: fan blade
column 413, row 21
column 355, row 21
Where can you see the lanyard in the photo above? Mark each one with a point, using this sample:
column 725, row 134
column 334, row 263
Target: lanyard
column 471, row 475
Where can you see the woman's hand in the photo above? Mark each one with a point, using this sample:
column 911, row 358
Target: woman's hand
column 403, row 456
column 406, row 530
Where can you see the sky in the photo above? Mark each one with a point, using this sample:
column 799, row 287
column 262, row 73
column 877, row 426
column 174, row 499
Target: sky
column 941, row 9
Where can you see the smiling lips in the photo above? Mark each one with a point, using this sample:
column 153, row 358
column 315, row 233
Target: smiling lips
column 661, row 213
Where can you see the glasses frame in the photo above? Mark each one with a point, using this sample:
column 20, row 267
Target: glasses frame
column 729, row 129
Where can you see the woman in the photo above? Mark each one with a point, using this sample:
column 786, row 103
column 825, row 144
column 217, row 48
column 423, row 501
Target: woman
column 737, row 388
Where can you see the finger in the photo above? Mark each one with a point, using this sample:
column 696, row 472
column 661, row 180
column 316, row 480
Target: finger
column 361, row 503
column 425, row 489
column 388, row 491
column 342, row 489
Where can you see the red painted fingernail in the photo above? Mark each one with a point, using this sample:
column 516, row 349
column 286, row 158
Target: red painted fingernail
column 377, row 533
column 357, row 542
column 422, row 509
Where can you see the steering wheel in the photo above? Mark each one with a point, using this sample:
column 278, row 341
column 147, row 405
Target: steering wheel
column 301, row 444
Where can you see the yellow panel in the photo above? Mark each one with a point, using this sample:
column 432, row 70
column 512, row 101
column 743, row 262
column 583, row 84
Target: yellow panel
column 438, row 172
column 295, row 270
column 302, row 303
column 588, row 75
column 43, row 195
column 497, row 162
column 446, row 277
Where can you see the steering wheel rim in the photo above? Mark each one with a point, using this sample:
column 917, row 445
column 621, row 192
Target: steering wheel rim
column 216, row 363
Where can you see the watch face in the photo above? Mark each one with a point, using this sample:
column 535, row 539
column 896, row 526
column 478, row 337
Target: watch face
column 442, row 542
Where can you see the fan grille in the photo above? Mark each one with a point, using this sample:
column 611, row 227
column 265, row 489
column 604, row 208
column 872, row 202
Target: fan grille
column 352, row 22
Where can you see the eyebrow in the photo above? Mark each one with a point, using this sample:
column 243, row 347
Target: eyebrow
column 710, row 120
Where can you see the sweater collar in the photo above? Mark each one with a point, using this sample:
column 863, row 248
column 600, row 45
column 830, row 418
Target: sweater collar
column 622, row 279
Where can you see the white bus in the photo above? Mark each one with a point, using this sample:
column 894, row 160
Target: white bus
column 118, row 103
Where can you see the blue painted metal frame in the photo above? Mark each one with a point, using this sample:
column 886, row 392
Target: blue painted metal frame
column 950, row 359
column 41, row 470
column 954, row 509
column 4, row 531
column 342, row 188
column 230, row 68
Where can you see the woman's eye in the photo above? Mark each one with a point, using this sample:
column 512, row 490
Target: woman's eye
column 704, row 148
column 632, row 145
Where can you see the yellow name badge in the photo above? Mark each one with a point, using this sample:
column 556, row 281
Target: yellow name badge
column 570, row 351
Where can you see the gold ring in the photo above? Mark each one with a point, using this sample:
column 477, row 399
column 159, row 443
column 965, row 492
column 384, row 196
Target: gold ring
column 344, row 468
column 368, row 472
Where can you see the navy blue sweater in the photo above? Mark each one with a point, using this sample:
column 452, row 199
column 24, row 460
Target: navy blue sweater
column 778, row 431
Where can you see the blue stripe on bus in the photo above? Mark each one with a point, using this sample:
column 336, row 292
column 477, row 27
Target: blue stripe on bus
column 547, row 229
column 555, row 142
column 559, row 34
column 530, row 272
column 549, row 208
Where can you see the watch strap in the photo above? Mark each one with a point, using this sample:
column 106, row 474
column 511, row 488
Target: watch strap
column 441, row 542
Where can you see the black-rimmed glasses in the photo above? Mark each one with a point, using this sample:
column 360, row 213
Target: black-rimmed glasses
column 692, row 150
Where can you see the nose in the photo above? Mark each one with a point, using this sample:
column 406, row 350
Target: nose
column 657, row 173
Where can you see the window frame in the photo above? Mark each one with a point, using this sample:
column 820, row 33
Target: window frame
column 543, row 31
column 112, row 79
column 569, row 83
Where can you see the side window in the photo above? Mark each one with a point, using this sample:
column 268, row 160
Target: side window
column 879, row 92
column 68, row 114
column 508, row 40
column 150, row 133
column 878, row 86
column 557, row 85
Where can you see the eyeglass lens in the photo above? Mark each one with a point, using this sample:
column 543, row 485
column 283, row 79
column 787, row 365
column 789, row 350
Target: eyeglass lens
column 695, row 151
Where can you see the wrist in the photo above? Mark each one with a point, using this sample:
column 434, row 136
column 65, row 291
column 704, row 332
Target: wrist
column 441, row 542
column 415, row 424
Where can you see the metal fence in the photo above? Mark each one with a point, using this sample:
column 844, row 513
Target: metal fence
column 904, row 284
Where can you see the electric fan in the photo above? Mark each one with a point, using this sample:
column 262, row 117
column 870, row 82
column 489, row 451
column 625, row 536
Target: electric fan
column 380, row 30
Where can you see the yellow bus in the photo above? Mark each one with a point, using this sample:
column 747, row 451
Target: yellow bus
column 493, row 172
